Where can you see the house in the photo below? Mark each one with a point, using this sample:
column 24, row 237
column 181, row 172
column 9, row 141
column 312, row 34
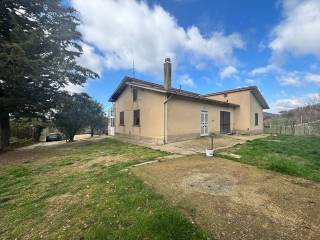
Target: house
column 267, row 120
column 162, row 114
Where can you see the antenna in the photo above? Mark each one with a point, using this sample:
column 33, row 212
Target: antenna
column 133, row 70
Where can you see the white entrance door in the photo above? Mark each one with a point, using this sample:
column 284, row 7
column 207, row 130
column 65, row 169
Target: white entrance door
column 204, row 123
column 111, row 126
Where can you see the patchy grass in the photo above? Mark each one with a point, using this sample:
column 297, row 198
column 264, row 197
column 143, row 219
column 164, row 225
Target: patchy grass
column 82, row 192
column 292, row 155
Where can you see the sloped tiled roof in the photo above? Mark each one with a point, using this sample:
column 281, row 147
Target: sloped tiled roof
column 160, row 88
column 254, row 90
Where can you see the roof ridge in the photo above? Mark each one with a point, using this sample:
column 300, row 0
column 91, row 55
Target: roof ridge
column 231, row 90
column 181, row 92
column 161, row 86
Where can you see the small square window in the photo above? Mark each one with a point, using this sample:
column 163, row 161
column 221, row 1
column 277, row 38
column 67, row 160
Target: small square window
column 225, row 95
column 135, row 94
column 122, row 118
column 136, row 117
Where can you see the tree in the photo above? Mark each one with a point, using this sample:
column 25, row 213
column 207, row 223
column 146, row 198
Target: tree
column 39, row 47
column 96, row 117
column 76, row 112
column 71, row 114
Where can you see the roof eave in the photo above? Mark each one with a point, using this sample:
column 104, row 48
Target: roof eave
column 147, row 88
column 207, row 100
column 231, row 91
column 260, row 98
column 122, row 84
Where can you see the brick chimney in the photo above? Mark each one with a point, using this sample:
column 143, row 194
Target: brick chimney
column 167, row 74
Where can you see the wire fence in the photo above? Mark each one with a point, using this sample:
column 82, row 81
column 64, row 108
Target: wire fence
column 287, row 127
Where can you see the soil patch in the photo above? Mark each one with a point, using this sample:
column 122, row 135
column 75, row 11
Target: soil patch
column 211, row 184
column 236, row 201
column 44, row 150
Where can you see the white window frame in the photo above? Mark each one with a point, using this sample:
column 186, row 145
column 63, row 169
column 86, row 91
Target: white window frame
column 204, row 123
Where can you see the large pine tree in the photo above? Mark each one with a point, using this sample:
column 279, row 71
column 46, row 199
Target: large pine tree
column 39, row 47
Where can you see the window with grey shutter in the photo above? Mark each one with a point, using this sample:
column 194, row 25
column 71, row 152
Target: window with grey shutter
column 135, row 94
column 136, row 117
column 121, row 118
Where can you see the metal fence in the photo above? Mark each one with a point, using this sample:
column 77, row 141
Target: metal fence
column 290, row 128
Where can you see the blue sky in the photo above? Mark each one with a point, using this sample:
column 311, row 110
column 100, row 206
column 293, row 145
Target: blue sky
column 214, row 45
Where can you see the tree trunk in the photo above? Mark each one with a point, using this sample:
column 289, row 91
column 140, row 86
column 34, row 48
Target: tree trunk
column 71, row 139
column 91, row 132
column 4, row 130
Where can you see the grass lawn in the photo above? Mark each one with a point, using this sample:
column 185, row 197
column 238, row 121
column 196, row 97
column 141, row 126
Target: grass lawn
column 292, row 155
column 82, row 192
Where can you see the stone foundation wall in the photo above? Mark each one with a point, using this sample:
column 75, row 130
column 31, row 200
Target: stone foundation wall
column 158, row 141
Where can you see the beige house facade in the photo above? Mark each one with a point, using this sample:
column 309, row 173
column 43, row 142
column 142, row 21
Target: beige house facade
column 162, row 114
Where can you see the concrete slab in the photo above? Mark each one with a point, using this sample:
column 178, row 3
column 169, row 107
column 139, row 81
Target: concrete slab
column 199, row 145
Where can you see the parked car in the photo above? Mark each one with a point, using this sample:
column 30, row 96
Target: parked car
column 54, row 137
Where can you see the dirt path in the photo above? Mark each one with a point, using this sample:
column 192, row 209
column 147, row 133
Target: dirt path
column 45, row 149
column 236, row 201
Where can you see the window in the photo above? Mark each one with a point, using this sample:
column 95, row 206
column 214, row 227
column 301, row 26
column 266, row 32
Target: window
column 136, row 117
column 122, row 118
column 256, row 119
column 135, row 94
column 225, row 95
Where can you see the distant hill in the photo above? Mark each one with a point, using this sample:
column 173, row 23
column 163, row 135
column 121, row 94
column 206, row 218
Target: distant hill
column 270, row 115
column 303, row 114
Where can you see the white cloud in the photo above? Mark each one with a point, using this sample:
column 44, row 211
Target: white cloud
column 217, row 47
column 186, row 80
column 263, row 70
column 90, row 59
column 126, row 29
column 228, row 72
column 291, row 79
column 252, row 81
column 281, row 94
column 72, row 88
column 287, row 104
column 314, row 97
column 315, row 78
column 262, row 46
column 294, row 102
column 298, row 32
column 299, row 78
